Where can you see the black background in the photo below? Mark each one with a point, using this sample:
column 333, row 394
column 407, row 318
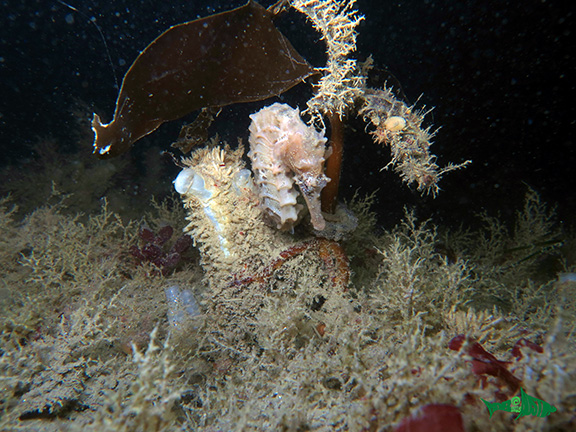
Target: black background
column 499, row 74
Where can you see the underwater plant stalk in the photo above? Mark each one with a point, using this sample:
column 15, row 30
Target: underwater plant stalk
column 333, row 164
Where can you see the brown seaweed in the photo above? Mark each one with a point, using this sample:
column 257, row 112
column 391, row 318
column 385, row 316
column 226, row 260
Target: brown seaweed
column 195, row 133
column 225, row 58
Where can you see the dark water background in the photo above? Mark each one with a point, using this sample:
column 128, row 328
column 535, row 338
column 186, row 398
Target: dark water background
column 500, row 75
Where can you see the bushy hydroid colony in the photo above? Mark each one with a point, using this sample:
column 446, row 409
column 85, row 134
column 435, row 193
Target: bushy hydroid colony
column 87, row 343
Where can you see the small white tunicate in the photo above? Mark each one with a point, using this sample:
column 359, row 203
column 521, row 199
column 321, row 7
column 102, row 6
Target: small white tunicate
column 198, row 188
column 242, row 180
column 184, row 180
column 172, row 294
column 189, row 302
column 190, row 182
column 182, row 306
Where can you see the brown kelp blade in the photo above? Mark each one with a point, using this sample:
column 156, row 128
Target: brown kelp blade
column 230, row 57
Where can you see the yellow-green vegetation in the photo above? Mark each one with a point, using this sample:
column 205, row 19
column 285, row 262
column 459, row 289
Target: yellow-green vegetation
column 86, row 343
